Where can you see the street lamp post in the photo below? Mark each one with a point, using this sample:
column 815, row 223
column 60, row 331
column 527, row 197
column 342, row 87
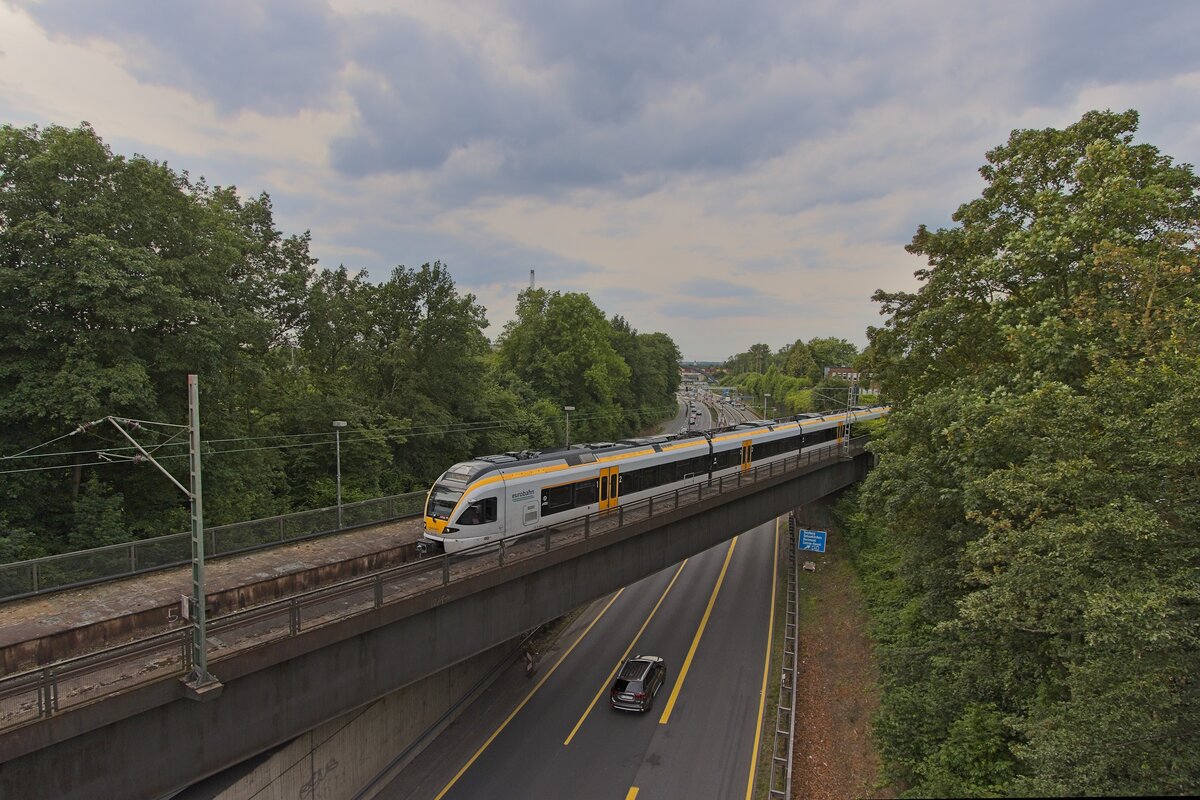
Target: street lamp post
column 766, row 397
column 338, row 424
column 568, row 410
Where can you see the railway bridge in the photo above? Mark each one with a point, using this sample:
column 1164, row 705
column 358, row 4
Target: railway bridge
column 396, row 646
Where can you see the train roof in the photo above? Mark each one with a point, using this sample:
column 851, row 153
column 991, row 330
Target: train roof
column 586, row 452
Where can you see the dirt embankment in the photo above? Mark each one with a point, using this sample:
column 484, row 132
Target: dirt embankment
column 837, row 681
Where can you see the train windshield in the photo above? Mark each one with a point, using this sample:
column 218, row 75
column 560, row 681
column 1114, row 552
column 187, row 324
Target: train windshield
column 441, row 502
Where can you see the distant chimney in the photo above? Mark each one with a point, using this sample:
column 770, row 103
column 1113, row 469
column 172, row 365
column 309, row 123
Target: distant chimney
column 530, row 279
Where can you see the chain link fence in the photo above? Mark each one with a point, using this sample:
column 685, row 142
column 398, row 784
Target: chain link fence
column 52, row 573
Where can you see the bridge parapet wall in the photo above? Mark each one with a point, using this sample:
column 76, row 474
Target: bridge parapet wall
column 152, row 741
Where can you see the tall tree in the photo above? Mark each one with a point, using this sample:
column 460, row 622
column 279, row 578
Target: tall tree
column 799, row 362
column 1034, row 489
column 831, row 352
column 561, row 344
column 117, row 278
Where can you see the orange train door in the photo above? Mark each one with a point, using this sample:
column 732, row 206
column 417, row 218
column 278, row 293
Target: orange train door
column 746, row 455
column 610, row 487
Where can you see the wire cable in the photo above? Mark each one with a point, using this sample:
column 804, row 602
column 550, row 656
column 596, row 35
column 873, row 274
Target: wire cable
column 325, row 437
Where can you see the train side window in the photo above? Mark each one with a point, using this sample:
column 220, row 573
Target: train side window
column 586, row 492
column 557, row 498
column 664, row 474
column 637, row 480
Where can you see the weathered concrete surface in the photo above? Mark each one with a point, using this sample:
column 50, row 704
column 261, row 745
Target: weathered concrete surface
column 342, row 756
column 41, row 630
column 152, row 741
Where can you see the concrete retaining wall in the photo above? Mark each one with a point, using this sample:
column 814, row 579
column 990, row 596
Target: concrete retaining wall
column 338, row 759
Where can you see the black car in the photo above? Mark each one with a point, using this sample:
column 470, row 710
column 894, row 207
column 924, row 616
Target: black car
column 637, row 683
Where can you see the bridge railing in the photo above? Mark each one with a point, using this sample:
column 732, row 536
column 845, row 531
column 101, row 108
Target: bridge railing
column 55, row 688
column 68, row 570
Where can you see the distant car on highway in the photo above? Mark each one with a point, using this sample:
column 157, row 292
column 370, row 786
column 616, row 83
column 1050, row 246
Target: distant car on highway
column 637, row 683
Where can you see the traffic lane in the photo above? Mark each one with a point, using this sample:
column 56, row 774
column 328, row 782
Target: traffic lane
column 708, row 740
column 709, row 743
column 452, row 752
column 459, row 750
column 611, row 745
column 680, row 418
column 528, row 758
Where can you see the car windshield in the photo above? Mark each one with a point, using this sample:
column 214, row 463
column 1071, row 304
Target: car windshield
column 441, row 502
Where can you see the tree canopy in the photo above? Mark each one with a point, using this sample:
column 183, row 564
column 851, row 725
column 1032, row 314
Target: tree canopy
column 794, row 377
column 120, row 276
column 1030, row 534
column 562, row 346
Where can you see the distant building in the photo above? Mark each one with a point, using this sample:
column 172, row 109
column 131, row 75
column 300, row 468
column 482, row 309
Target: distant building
column 853, row 377
column 848, row 374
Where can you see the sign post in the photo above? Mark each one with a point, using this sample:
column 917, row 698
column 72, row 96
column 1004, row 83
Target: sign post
column 810, row 540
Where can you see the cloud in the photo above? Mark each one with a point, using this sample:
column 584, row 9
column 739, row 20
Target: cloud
column 277, row 56
column 728, row 173
column 1110, row 41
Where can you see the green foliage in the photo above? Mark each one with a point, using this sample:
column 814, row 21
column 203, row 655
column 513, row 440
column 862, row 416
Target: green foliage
column 98, row 518
column 562, row 348
column 800, row 363
column 119, row 277
column 1030, row 533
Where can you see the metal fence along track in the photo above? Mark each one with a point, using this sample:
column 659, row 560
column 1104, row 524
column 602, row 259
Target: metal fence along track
column 68, row 570
column 56, row 688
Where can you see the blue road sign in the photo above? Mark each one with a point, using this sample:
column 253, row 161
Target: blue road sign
column 811, row 540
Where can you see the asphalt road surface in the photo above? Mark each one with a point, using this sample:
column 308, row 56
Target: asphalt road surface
column 555, row 735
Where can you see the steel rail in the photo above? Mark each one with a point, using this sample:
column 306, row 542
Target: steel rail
column 56, row 688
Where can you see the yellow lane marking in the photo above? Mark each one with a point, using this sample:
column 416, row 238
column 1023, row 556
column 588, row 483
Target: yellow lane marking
column 633, row 790
column 608, row 681
column 762, row 692
column 532, row 692
column 687, row 662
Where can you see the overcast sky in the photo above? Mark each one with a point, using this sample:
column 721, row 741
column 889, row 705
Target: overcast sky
column 724, row 172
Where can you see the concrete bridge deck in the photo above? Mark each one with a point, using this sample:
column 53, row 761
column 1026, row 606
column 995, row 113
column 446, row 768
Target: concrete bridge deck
column 46, row 628
column 424, row 618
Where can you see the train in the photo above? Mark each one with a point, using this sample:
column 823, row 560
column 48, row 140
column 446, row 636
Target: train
column 496, row 497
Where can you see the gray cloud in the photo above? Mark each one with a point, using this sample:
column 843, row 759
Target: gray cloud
column 833, row 128
column 624, row 96
column 1108, row 41
column 275, row 56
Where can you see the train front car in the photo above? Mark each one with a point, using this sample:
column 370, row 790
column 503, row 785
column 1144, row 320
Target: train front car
column 463, row 508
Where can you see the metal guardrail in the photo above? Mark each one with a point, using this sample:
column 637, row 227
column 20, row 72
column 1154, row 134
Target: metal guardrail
column 68, row 570
column 785, row 709
column 56, row 688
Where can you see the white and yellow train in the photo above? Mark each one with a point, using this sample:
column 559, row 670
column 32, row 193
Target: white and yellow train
column 494, row 497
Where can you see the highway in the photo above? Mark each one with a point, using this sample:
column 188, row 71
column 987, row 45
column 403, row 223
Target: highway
column 555, row 735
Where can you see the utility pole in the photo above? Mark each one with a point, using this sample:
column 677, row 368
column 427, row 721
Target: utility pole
column 568, row 410
column 199, row 680
column 338, row 424
column 200, row 683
